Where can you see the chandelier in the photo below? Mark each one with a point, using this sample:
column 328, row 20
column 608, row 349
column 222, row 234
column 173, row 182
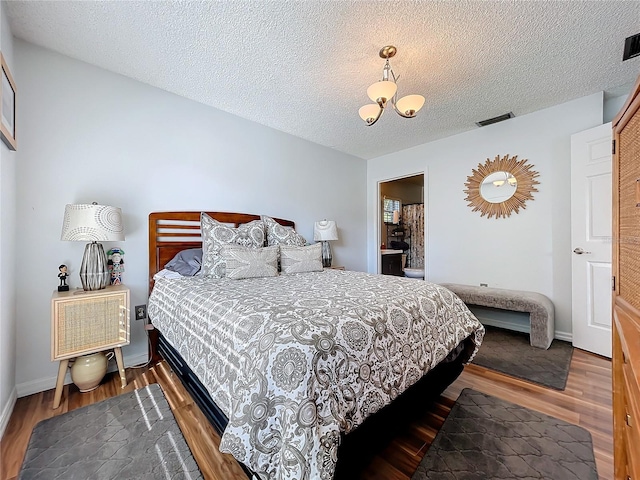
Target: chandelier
column 508, row 178
column 386, row 90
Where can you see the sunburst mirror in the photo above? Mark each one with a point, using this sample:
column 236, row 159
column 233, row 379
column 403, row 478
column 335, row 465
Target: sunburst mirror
column 501, row 186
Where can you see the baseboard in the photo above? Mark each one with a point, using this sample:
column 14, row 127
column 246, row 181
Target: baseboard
column 47, row 383
column 565, row 336
column 492, row 322
column 7, row 411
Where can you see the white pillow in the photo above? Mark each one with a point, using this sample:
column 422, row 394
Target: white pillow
column 243, row 262
column 166, row 273
column 301, row 259
column 216, row 234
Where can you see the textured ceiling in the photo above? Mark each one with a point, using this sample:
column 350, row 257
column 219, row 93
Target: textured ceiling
column 303, row 67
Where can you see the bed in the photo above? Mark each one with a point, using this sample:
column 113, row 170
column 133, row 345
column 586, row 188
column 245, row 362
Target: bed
column 295, row 371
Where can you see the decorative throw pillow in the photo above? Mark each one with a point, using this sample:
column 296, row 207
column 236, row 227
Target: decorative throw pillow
column 301, row 259
column 280, row 235
column 243, row 262
column 187, row 262
column 216, row 234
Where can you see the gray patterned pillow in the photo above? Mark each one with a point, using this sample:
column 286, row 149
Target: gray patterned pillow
column 244, row 262
column 301, row 259
column 280, row 235
column 216, row 234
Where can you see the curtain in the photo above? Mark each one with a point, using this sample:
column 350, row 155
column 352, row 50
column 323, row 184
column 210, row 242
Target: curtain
column 413, row 221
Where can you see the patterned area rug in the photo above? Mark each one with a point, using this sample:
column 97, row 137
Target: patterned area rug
column 510, row 352
column 133, row 435
column 487, row 438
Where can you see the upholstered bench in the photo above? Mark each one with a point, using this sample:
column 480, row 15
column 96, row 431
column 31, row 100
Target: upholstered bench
column 539, row 307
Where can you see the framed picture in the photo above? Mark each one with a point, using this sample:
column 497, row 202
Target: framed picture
column 8, row 107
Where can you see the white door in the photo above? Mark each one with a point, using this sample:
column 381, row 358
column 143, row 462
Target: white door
column 591, row 239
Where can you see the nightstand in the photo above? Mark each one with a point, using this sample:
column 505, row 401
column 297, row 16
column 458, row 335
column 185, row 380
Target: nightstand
column 84, row 322
column 334, row 268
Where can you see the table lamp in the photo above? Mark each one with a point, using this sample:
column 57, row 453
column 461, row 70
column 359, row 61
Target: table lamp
column 96, row 223
column 325, row 231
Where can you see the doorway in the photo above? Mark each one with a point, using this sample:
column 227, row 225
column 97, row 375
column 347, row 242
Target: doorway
column 402, row 224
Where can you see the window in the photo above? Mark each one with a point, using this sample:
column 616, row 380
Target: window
column 390, row 205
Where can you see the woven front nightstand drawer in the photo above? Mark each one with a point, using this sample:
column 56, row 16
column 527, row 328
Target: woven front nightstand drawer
column 84, row 322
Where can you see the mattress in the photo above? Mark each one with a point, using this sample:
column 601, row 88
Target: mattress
column 295, row 360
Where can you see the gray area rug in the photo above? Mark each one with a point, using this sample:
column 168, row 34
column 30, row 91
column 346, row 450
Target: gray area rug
column 133, row 435
column 509, row 352
column 487, row 438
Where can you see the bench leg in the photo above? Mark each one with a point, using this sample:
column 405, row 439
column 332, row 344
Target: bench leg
column 542, row 331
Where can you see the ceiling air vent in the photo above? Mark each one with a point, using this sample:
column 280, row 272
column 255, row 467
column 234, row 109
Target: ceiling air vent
column 631, row 47
column 499, row 118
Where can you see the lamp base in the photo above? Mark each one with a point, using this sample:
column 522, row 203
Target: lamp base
column 94, row 272
column 326, row 254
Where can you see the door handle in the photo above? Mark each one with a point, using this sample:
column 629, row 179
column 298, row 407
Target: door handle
column 580, row 251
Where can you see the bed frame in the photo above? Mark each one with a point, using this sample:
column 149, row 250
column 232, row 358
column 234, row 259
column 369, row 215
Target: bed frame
column 172, row 232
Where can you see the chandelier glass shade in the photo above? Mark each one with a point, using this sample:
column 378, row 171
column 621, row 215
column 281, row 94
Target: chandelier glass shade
column 381, row 92
column 369, row 111
column 508, row 178
column 385, row 91
column 409, row 105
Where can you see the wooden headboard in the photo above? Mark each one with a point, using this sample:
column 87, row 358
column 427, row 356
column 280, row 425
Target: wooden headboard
column 172, row 232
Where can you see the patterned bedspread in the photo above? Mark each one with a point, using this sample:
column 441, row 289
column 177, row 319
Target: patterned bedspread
column 296, row 359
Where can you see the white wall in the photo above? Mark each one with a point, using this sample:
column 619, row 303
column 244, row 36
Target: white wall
column 8, row 161
column 527, row 251
column 612, row 106
column 91, row 135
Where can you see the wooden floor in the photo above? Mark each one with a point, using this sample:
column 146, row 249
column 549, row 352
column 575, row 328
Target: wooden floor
column 585, row 402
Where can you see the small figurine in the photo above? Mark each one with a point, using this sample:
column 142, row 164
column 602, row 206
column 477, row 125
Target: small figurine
column 63, row 287
column 116, row 265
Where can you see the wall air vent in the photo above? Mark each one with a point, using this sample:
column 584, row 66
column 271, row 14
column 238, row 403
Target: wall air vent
column 499, row 118
column 631, row 47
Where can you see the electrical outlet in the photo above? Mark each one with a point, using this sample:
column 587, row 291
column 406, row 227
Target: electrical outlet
column 484, row 284
column 141, row 312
